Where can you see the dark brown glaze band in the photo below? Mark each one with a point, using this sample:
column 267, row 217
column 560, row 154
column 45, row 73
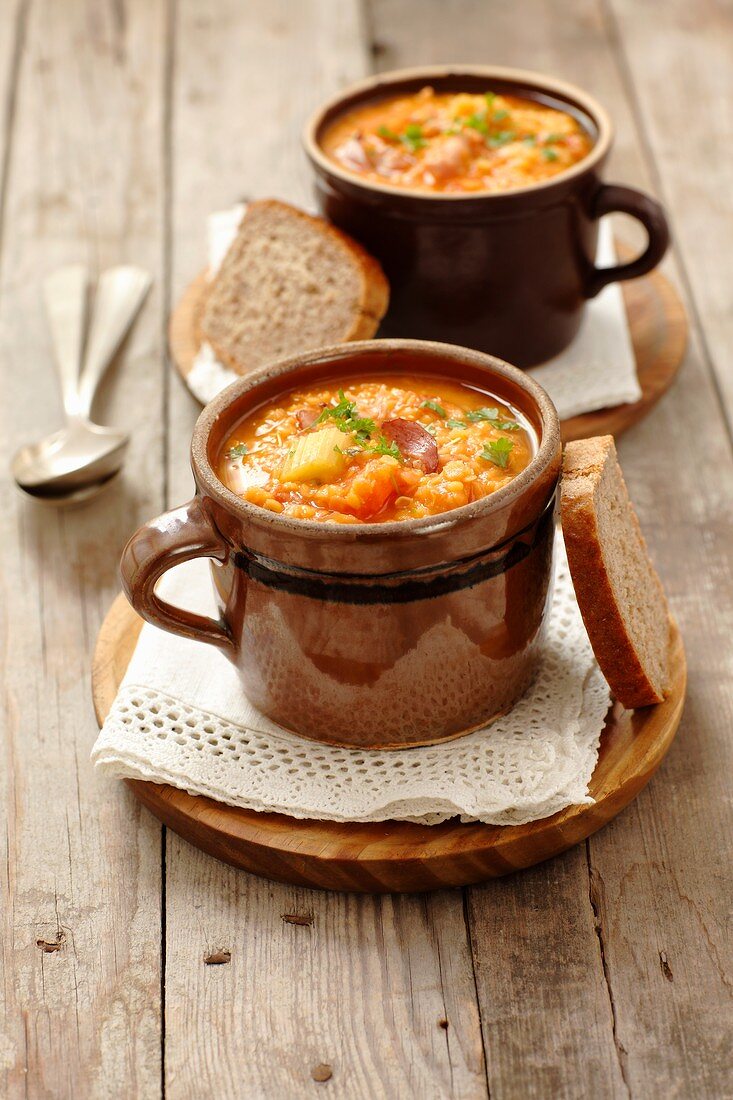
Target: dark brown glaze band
column 509, row 272
column 372, row 635
column 399, row 587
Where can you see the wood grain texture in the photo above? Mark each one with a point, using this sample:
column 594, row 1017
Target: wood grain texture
column 660, row 874
column 697, row 182
column 609, row 976
column 547, row 1019
column 79, row 866
column 673, row 990
column 396, row 856
column 364, row 987
column 657, row 322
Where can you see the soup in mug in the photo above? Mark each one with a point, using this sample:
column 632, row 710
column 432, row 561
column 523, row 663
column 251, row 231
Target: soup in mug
column 456, row 143
column 375, row 450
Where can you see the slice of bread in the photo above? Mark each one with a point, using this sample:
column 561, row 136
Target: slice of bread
column 620, row 596
column 290, row 282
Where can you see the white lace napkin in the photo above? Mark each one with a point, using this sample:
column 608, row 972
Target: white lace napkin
column 598, row 370
column 180, row 717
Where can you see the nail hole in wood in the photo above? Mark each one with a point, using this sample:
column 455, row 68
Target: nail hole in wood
column 218, row 958
column 298, row 918
column 50, row 946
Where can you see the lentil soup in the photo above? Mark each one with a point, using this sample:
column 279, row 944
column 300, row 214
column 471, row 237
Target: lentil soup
column 456, row 142
column 375, row 450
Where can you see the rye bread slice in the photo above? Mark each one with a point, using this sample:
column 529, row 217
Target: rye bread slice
column 290, row 282
column 619, row 593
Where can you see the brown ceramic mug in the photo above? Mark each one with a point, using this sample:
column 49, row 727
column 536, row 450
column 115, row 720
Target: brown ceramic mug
column 376, row 635
column 505, row 272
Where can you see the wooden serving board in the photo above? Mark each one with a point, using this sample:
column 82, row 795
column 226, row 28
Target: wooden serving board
column 394, row 856
column 657, row 322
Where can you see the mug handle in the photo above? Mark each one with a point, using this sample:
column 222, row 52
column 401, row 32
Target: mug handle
column 613, row 197
column 177, row 536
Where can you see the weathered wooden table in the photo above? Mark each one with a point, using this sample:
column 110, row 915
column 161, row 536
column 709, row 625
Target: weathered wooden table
column 602, row 973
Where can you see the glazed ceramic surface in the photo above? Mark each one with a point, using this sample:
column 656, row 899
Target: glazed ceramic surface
column 508, row 272
column 373, row 635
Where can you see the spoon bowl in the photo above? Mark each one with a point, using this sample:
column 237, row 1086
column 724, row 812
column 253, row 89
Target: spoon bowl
column 70, row 460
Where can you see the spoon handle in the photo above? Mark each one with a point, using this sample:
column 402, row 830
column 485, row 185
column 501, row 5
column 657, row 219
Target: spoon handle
column 120, row 293
column 65, row 297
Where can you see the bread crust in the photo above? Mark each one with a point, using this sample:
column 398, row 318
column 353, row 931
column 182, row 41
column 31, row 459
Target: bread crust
column 374, row 289
column 583, row 465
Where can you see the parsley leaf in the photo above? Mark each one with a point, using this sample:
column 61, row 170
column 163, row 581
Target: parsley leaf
column 499, row 116
column 347, row 419
column 489, row 97
column 549, row 154
column 530, row 139
column 387, row 134
column 493, row 417
column 501, row 138
column 438, row 409
column 498, row 452
column 552, row 139
column 239, row 450
column 482, row 414
column 456, row 423
column 477, row 122
column 384, row 447
column 413, row 138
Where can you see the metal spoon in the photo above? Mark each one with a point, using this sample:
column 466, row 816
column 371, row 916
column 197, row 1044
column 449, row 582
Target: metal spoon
column 78, row 461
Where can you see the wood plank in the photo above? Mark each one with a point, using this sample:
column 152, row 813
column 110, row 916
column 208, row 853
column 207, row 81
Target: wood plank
column 694, row 171
column 545, row 1011
column 358, row 984
column 657, row 886
column 677, row 848
column 362, row 989
column 80, row 874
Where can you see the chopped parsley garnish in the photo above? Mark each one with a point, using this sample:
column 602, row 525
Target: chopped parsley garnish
column 384, row 447
column 498, row 452
column 482, row 122
column 412, row 137
column 493, row 417
column 438, row 409
column 347, row 420
column 239, row 450
column 530, row 139
column 552, row 139
column 549, row 154
column 477, row 122
column 501, row 138
column 456, row 423
column 482, row 414
column 387, row 134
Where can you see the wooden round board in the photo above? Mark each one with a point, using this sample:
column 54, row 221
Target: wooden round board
column 394, row 856
column 657, row 322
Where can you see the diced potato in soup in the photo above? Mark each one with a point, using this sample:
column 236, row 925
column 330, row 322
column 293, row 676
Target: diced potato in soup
column 374, row 450
column 456, row 143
